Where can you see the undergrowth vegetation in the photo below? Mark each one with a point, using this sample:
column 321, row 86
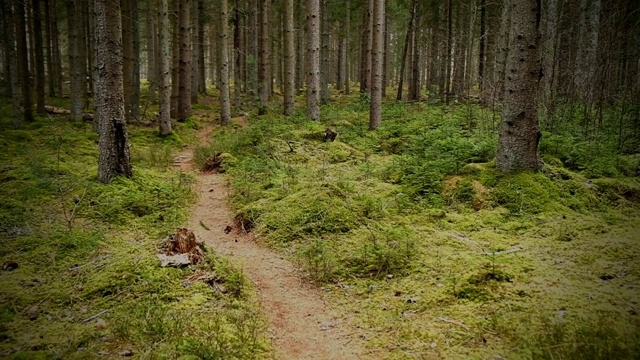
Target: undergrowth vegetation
column 81, row 277
column 413, row 228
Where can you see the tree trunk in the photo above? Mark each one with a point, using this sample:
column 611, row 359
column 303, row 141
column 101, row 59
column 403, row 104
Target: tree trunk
column 57, row 56
column 347, row 81
column 385, row 63
column 237, row 55
column 164, row 95
column 414, row 84
column 175, row 73
column 481, row 53
column 313, row 58
column 447, row 81
column 49, row 41
column 324, row 52
column 252, row 65
column 504, row 46
column 289, row 58
column 184, row 70
column 23, row 60
column 127, row 52
column 202, row 76
column 195, row 48
column 519, row 136
column 135, row 32
column 264, row 73
column 12, row 59
column 39, row 56
column 462, row 19
column 377, row 58
column 113, row 145
column 153, row 73
column 225, row 103
column 299, row 73
column 405, row 49
column 434, row 46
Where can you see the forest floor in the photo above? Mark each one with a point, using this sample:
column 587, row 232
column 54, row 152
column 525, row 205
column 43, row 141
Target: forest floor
column 401, row 243
column 301, row 325
column 412, row 232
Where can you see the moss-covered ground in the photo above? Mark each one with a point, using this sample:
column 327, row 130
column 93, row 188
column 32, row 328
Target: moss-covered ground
column 88, row 283
column 413, row 232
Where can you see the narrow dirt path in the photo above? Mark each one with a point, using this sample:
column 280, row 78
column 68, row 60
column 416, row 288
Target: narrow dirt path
column 300, row 324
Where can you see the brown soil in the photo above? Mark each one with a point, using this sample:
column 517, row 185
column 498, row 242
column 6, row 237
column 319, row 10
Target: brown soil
column 301, row 325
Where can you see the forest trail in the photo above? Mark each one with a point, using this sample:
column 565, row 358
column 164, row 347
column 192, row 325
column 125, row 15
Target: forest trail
column 301, row 325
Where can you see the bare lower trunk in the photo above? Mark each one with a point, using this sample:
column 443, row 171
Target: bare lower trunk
column 195, row 48
column 202, row 78
column 39, row 56
column 127, row 51
column 264, row 74
column 347, row 81
column 184, row 70
column 237, row 56
column 164, row 114
column 377, row 54
column 519, row 136
column 289, row 58
column 324, row 52
column 23, row 60
column 225, row 103
column 56, row 57
column 14, row 75
column 313, row 57
column 175, row 61
column 113, row 145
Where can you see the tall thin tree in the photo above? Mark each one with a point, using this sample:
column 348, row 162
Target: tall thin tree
column 289, row 58
column 39, row 55
column 164, row 95
column 519, row 136
column 377, row 59
column 225, row 102
column 114, row 156
column 313, row 58
column 23, row 59
column 184, row 70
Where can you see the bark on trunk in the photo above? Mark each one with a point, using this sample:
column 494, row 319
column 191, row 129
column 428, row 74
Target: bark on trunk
column 405, row 49
column 264, row 74
column 184, row 70
column 519, row 136
column 14, row 75
column 237, row 56
column 56, row 56
column 114, row 157
column 164, row 95
column 202, row 77
column 175, row 74
column 289, row 58
column 23, row 60
column 324, row 52
column 377, row 58
column 127, row 53
column 225, row 103
column 313, row 57
column 39, row 56
column 49, row 46
column 195, row 48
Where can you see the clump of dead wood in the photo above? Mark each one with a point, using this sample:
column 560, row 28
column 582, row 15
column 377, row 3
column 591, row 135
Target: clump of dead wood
column 213, row 164
column 181, row 249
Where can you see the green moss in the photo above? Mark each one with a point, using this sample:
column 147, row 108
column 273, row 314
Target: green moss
column 619, row 189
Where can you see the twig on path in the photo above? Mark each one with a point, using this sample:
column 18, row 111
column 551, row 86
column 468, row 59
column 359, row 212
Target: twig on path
column 95, row 316
column 454, row 322
column 204, row 226
column 512, row 250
